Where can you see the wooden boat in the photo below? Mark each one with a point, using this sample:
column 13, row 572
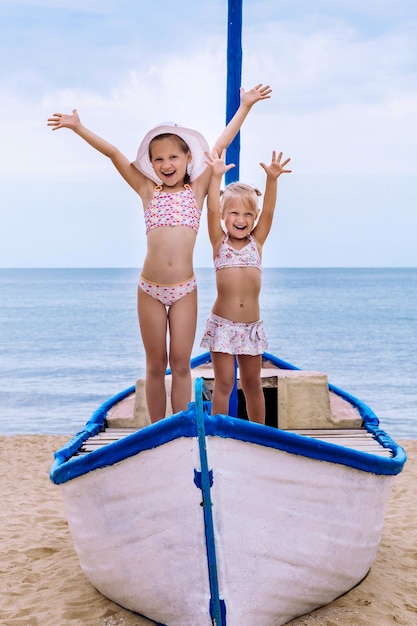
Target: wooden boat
column 213, row 520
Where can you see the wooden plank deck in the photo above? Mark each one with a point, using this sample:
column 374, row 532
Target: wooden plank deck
column 357, row 439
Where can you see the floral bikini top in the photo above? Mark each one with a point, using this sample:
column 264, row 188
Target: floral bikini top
column 228, row 256
column 172, row 209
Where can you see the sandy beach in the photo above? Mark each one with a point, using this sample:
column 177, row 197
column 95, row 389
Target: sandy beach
column 42, row 583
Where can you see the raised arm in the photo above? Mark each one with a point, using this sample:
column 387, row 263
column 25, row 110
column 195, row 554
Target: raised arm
column 72, row 121
column 247, row 100
column 273, row 171
column 218, row 169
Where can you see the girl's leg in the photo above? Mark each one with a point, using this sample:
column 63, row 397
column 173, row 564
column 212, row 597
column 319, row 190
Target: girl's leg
column 153, row 326
column 250, row 380
column 224, row 378
column 182, row 319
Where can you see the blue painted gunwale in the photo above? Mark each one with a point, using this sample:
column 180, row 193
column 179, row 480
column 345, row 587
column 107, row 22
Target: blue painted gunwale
column 184, row 424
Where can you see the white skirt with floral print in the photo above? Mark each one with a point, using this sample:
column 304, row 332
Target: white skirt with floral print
column 222, row 335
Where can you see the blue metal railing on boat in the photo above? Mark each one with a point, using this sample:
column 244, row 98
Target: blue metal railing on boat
column 217, row 606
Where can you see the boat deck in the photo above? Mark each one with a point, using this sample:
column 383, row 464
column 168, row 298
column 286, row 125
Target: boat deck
column 356, row 439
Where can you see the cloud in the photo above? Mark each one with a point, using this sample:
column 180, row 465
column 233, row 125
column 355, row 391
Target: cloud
column 343, row 107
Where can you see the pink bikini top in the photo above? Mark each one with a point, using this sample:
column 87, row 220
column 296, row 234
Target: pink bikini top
column 248, row 256
column 172, row 209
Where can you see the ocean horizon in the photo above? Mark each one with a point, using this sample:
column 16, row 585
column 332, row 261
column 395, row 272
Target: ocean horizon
column 70, row 338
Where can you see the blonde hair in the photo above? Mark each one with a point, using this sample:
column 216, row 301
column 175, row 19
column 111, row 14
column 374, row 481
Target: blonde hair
column 248, row 193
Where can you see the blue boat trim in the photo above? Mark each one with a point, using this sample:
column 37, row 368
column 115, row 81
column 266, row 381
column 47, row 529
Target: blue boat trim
column 183, row 424
column 234, row 428
column 222, row 607
column 197, row 478
column 67, row 467
column 206, row 483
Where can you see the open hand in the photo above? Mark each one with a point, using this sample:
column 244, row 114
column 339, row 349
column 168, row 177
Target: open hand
column 259, row 92
column 277, row 166
column 217, row 164
column 64, row 120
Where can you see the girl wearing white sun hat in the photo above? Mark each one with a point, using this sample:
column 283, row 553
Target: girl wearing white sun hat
column 173, row 157
column 194, row 140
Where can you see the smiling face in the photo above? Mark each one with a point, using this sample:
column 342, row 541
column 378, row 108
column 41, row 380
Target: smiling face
column 169, row 156
column 239, row 209
column 239, row 215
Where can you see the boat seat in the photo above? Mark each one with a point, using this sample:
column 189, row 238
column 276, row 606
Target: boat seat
column 133, row 411
column 303, row 399
column 302, row 402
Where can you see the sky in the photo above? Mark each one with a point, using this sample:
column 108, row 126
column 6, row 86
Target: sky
column 343, row 107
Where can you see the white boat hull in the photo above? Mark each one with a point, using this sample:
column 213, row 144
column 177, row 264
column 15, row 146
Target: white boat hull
column 203, row 520
column 291, row 533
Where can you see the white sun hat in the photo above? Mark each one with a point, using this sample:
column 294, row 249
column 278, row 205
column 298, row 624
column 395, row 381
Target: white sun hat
column 194, row 140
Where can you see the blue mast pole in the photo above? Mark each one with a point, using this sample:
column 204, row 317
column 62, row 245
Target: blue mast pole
column 234, row 81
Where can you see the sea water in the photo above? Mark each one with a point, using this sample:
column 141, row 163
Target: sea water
column 70, row 339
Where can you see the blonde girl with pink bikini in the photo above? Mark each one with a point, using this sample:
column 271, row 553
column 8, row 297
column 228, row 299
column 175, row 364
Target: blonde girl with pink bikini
column 234, row 328
column 171, row 177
